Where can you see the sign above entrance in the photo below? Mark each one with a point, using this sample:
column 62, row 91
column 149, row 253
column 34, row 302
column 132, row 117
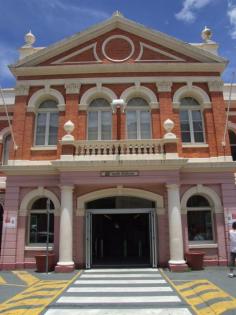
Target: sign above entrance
column 119, row 173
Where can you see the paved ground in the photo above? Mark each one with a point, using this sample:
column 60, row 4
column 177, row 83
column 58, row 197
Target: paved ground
column 117, row 291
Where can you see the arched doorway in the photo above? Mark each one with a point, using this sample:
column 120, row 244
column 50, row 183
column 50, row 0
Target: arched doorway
column 1, row 224
column 120, row 231
column 232, row 140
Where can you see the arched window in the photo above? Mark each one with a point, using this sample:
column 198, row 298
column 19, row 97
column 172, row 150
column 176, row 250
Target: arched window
column 46, row 123
column 200, row 222
column 192, row 129
column 99, row 120
column 38, row 221
column 232, row 140
column 138, row 119
column 6, row 149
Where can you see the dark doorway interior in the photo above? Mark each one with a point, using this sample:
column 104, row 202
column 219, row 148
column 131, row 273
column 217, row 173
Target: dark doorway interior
column 120, row 239
column 1, row 223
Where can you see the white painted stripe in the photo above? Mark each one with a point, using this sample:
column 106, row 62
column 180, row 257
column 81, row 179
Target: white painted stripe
column 136, row 275
column 119, row 289
column 117, row 299
column 149, row 311
column 122, row 270
column 129, row 311
column 117, row 281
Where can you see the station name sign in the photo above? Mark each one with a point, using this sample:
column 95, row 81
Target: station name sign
column 119, row 173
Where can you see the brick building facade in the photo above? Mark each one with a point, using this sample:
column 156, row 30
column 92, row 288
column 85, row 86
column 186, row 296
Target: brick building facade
column 122, row 129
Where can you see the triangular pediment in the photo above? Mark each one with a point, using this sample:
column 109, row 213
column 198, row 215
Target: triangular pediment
column 118, row 40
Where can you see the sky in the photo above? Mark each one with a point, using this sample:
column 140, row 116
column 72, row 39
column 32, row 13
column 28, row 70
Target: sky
column 54, row 20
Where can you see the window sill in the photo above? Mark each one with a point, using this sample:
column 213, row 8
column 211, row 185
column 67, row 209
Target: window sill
column 195, row 145
column 44, row 148
column 203, row 245
column 42, row 248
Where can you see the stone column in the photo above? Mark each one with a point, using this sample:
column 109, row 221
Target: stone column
column 65, row 263
column 176, row 262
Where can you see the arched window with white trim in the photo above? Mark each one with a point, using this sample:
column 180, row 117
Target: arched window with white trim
column 138, row 119
column 200, row 219
column 37, row 231
column 46, row 128
column 99, row 120
column 232, row 140
column 6, row 148
column 191, row 121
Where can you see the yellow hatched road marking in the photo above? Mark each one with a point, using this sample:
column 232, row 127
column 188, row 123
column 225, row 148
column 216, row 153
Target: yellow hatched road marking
column 198, row 289
column 192, row 283
column 33, row 303
column 2, row 281
column 193, row 288
column 26, row 277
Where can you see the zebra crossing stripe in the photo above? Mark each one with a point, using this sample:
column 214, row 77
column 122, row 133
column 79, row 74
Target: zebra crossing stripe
column 118, row 281
column 118, row 289
column 143, row 275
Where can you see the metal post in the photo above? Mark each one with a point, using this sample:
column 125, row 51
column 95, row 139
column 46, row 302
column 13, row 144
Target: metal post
column 48, row 224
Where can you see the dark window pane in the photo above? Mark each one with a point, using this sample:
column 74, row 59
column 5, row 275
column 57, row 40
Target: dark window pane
column 200, row 225
column 38, row 228
column 185, row 136
column 53, row 127
column 41, row 128
column 196, row 115
column 48, row 104
column 188, row 101
column 197, row 201
column 198, row 137
column 185, row 126
column 197, row 126
column 184, row 115
column 137, row 102
column 41, row 204
column 99, row 102
column 93, row 126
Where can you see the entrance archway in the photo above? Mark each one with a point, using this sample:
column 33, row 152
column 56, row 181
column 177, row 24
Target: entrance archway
column 232, row 140
column 120, row 231
column 1, row 224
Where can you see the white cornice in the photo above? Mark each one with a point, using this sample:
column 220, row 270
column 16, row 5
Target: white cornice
column 118, row 68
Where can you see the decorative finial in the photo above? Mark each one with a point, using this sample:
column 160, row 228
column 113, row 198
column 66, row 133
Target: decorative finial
column 29, row 39
column 117, row 13
column 206, row 34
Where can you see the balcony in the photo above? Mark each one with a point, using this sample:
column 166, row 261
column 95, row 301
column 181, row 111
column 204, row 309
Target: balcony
column 165, row 147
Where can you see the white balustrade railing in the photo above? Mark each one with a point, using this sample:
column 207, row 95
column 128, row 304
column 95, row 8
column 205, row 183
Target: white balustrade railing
column 118, row 147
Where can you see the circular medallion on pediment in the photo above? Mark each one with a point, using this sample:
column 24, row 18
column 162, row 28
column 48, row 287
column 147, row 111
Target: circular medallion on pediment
column 118, row 48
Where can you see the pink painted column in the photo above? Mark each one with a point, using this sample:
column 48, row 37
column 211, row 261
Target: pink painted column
column 21, row 233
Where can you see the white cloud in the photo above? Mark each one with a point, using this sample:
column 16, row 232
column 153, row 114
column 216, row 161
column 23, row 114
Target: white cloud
column 188, row 12
column 232, row 19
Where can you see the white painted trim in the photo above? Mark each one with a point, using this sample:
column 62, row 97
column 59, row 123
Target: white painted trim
column 95, row 92
column 191, row 91
column 38, row 248
column 44, row 148
column 113, row 37
column 195, row 145
column 114, row 80
column 142, row 45
column 77, row 52
column 35, row 194
column 140, row 91
column 3, row 182
column 42, row 95
column 3, row 118
column 120, row 191
column 204, row 191
column 203, row 245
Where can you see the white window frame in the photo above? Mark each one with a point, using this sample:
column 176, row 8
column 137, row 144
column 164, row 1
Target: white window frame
column 190, row 109
column 38, row 211
column 48, row 112
column 99, row 110
column 212, row 222
column 138, row 111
